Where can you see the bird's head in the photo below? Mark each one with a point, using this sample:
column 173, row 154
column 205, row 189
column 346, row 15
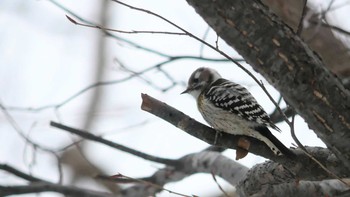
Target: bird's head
column 200, row 79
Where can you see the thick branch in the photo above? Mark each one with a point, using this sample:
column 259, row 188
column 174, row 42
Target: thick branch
column 281, row 183
column 303, row 166
column 199, row 130
column 202, row 162
column 272, row 49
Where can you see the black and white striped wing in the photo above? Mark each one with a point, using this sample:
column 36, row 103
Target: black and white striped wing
column 235, row 98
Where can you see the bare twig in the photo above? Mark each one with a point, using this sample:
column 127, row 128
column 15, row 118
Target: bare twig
column 20, row 174
column 149, row 82
column 122, row 31
column 112, row 82
column 201, row 48
column 277, row 117
column 130, row 179
column 133, row 44
column 35, row 145
column 201, row 162
column 95, row 138
column 217, row 42
column 75, row 142
column 322, row 17
column 333, row 27
column 217, row 183
column 325, row 168
column 292, row 131
column 276, row 104
column 301, row 21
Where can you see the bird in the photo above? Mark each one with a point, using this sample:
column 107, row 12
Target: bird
column 229, row 107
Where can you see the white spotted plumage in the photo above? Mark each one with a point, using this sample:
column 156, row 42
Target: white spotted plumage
column 230, row 108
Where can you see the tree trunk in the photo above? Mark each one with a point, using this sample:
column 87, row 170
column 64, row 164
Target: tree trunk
column 288, row 63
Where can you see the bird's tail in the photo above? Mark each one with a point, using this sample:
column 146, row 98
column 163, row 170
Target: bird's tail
column 283, row 149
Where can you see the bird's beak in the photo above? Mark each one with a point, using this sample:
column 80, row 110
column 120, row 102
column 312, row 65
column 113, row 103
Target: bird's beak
column 187, row 90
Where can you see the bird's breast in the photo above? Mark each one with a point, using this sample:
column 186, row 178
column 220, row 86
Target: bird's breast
column 221, row 119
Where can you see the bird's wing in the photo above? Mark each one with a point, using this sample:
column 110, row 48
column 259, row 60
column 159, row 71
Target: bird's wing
column 235, row 98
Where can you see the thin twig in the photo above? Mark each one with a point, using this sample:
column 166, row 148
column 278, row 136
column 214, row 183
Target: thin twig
column 333, row 27
column 319, row 22
column 122, row 31
column 130, row 179
column 20, row 174
column 301, row 21
column 112, row 82
column 217, row 42
column 35, row 145
column 95, row 138
column 217, row 183
column 173, row 83
column 133, row 44
column 324, row 168
column 292, row 131
column 205, row 35
column 261, row 84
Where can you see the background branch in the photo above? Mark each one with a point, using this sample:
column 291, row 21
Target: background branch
column 50, row 187
column 20, row 174
column 201, row 162
column 95, row 138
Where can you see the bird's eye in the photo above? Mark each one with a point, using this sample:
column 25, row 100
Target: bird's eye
column 195, row 80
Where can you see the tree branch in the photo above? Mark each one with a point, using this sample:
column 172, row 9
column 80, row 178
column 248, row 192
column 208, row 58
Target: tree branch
column 281, row 183
column 18, row 173
column 50, row 187
column 202, row 162
column 95, row 138
column 302, row 167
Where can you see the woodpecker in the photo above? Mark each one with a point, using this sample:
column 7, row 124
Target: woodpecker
column 229, row 107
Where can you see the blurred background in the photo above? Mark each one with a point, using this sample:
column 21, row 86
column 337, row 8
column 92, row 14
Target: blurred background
column 54, row 70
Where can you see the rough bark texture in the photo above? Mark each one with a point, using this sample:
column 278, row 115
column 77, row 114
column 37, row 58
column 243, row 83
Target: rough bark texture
column 272, row 179
column 273, row 50
column 319, row 37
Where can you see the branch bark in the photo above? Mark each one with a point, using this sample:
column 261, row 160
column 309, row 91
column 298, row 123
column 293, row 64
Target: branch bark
column 202, row 162
column 281, row 183
column 303, row 167
column 317, row 34
column 273, row 50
